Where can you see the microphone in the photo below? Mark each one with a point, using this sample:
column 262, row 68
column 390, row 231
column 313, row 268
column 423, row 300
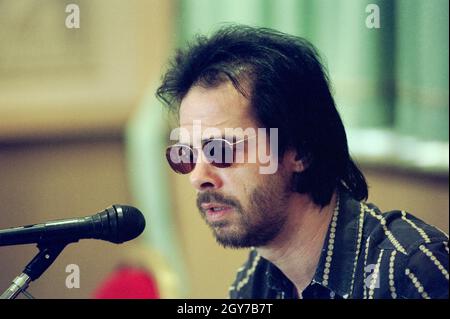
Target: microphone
column 116, row 224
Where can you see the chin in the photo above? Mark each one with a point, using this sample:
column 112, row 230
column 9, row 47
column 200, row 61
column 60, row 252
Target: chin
column 229, row 238
column 235, row 240
column 232, row 243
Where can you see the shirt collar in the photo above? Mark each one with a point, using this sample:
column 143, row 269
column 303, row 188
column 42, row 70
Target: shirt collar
column 337, row 262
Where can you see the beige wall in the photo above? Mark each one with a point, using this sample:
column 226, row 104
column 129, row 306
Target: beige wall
column 56, row 81
column 423, row 196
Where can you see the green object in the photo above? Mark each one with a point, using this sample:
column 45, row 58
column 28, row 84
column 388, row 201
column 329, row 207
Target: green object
column 149, row 182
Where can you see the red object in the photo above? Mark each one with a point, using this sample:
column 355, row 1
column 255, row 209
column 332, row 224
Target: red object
column 128, row 283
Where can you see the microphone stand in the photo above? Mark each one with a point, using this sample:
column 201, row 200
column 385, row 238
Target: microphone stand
column 48, row 251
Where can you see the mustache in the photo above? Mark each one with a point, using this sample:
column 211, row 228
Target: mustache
column 208, row 197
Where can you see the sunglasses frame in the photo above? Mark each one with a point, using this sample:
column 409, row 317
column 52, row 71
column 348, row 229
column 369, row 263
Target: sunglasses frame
column 190, row 166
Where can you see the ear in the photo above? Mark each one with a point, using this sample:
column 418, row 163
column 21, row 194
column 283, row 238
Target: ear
column 297, row 162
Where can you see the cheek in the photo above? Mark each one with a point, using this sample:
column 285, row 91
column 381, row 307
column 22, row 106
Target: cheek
column 240, row 180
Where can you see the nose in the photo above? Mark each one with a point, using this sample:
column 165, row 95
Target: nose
column 204, row 176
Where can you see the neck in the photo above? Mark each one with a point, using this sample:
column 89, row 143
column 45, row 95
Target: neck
column 296, row 250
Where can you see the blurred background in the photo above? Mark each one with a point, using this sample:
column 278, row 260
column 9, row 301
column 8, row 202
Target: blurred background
column 80, row 128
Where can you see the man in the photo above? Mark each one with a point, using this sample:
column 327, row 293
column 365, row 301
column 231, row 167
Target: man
column 311, row 232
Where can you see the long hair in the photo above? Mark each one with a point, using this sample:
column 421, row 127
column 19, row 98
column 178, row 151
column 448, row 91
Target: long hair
column 288, row 89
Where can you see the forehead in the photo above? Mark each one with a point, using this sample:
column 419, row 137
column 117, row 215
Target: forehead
column 220, row 107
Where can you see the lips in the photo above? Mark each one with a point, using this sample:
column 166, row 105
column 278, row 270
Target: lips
column 215, row 211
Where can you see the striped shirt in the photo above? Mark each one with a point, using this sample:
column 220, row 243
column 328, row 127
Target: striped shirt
column 367, row 254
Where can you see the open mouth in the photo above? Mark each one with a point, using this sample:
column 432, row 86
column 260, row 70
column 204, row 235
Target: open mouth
column 215, row 212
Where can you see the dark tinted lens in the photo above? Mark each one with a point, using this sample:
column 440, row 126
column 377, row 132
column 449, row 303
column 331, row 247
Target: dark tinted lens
column 181, row 158
column 219, row 153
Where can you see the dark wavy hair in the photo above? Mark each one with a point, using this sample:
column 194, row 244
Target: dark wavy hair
column 288, row 89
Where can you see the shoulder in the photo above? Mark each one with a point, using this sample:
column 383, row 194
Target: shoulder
column 426, row 271
column 421, row 250
column 399, row 230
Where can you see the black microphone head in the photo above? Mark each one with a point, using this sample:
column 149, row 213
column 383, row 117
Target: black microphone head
column 121, row 223
column 132, row 223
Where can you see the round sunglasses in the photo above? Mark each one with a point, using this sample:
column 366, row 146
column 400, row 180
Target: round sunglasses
column 218, row 152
